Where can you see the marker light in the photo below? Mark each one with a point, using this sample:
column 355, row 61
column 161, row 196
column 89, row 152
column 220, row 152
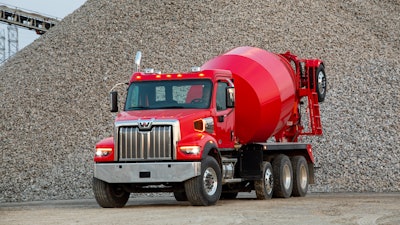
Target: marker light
column 204, row 125
column 138, row 77
column 201, row 74
column 179, row 75
column 195, row 69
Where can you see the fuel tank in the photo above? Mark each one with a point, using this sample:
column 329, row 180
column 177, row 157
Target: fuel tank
column 264, row 91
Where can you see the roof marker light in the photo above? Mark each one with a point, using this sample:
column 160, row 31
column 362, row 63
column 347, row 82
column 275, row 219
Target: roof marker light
column 195, row 69
column 201, row 74
column 149, row 70
column 179, row 75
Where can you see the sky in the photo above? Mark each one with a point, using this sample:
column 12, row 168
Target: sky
column 59, row 9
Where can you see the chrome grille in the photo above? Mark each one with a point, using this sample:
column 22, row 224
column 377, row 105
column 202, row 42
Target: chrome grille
column 153, row 144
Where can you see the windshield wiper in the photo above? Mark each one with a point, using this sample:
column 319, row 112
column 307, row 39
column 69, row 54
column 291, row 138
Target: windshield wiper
column 138, row 107
column 170, row 107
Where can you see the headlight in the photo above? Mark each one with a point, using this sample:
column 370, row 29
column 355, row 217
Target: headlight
column 103, row 151
column 192, row 150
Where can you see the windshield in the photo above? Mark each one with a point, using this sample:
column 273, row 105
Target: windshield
column 185, row 94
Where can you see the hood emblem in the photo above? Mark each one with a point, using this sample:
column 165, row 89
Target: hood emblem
column 145, row 124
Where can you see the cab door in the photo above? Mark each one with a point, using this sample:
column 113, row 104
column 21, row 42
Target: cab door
column 225, row 117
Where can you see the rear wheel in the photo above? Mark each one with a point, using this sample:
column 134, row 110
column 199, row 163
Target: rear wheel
column 109, row 195
column 205, row 189
column 283, row 176
column 300, row 175
column 264, row 187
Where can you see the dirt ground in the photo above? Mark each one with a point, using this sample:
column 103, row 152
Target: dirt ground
column 338, row 208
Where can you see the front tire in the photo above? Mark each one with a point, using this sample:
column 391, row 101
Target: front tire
column 205, row 189
column 264, row 187
column 283, row 176
column 300, row 175
column 109, row 195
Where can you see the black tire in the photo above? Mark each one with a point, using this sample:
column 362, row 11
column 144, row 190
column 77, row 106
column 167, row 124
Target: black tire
column 300, row 176
column 180, row 196
column 321, row 83
column 283, row 176
column 109, row 195
column 264, row 187
column 205, row 189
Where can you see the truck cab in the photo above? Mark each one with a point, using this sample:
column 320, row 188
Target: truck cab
column 170, row 123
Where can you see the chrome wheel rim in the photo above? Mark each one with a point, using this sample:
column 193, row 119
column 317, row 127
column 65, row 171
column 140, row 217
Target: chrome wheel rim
column 210, row 181
column 287, row 179
column 303, row 177
column 268, row 181
column 321, row 82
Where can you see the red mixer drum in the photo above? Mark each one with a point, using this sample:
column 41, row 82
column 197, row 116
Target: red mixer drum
column 264, row 88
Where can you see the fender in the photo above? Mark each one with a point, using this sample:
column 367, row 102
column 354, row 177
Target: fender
column 314, row 63
column 210, row 145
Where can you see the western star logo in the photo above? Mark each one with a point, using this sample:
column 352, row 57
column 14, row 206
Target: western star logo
column 145, row 124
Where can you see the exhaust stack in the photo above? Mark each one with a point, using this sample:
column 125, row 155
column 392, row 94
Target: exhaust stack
column 138, row 57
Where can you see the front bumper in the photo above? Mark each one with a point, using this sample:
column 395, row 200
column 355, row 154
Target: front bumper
column 146, row 172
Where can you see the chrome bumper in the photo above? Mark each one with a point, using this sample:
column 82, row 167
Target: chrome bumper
column 146, row 172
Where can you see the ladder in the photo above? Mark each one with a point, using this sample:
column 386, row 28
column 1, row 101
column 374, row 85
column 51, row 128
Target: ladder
column 315, row 115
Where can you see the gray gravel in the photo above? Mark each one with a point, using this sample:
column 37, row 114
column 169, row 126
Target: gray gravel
column 54, row 93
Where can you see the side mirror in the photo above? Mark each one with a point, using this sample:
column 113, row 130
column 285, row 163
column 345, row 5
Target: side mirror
column 230, row 97
column 114, row 101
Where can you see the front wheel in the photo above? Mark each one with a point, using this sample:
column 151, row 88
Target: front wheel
column 109, row 195
column 205, row 189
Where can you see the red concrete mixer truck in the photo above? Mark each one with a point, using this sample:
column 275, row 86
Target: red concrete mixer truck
column 232, row 125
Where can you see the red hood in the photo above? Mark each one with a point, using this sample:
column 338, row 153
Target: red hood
column 180, row 114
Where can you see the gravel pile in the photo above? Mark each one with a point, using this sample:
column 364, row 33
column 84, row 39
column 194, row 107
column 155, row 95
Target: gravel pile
column 54, row 93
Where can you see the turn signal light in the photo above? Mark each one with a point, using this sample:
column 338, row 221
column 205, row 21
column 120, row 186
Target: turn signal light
column 204, row 125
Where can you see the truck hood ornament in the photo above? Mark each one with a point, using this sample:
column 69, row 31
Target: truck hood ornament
column 145, row 124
